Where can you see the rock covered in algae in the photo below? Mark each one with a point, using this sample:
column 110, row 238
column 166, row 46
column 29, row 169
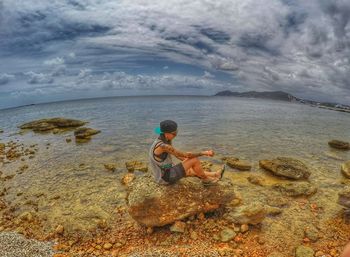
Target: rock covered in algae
column 152, row 204
column 304, row 251
column 247, row 214
column 286, row 167
column 338, row 144
column 85, row 133
column 110, row 166
column 51, row 124
column 237, row 163
column 345, row 169
column 131, row 166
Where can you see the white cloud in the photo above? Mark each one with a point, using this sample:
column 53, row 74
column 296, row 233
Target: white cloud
column 5, row 78
column 57, row 66
column 72, row 55
column 54, row 62
column 83, row 73
column 208, row 75
column 39, row 78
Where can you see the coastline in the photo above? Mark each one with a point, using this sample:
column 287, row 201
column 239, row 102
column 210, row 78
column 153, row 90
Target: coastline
column 204, row 96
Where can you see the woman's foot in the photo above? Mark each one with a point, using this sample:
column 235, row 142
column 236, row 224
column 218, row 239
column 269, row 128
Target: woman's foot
column 210, row 181
column 220, row 173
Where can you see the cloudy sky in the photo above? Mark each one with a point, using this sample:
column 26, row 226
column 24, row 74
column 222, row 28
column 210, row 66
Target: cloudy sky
column 67, row 49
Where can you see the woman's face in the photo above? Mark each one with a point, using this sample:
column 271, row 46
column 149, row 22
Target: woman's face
column 170, row 136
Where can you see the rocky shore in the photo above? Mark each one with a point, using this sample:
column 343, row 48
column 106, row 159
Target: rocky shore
column 274, row 207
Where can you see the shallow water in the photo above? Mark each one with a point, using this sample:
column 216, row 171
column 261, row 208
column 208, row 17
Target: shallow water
column 69, row 185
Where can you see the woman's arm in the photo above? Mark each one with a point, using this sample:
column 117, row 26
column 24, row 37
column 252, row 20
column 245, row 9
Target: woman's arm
column 181, row 155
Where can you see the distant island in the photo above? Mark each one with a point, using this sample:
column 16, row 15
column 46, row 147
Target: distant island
column 283, row 96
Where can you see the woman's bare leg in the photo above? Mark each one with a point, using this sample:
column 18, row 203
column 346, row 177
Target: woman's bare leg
column 193, row 167
column 192, row 173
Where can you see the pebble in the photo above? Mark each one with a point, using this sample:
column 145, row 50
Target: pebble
column 244, row 228
column 194, row 235
column 107, row 246
column 59, row 229
column 178, row 226
column 15, row 245
column 319, row 254
column 227, row 234
column 304, row 251
column 149, row 230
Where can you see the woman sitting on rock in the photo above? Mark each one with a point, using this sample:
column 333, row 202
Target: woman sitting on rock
column 165, row 171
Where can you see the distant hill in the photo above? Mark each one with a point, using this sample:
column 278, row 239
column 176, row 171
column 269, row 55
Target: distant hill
column 283, row 96
column 274, row 95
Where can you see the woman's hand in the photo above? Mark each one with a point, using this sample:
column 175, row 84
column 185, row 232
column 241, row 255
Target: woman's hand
column 209, row 153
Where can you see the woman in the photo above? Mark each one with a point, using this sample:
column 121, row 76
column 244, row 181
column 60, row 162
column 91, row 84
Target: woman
column 160, row 157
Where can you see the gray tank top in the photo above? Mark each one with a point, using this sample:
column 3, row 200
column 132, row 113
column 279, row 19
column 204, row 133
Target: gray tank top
column 155, row 164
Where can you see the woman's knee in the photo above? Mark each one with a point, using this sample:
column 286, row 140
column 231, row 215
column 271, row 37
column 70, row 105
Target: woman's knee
column 195, row 159
column 189, row 163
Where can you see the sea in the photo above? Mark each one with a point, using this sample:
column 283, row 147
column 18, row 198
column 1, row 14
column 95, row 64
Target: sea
column 70, row 186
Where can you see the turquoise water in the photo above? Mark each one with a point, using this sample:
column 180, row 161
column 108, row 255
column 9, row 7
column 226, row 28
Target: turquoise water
column 70, row 186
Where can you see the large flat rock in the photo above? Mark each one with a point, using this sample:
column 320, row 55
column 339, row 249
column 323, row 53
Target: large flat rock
column 286, row 167
column 338, row 144
column 152, row 204
column 52, row 123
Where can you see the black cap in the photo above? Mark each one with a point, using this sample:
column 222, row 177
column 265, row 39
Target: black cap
column 168, row 126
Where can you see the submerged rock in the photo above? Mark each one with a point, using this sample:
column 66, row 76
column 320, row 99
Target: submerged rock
column 52, row 123
column 304, row 251
column 273, row 211
column 296, row 189
column 236, row 163
column 1, row 131
column 311, row 233
column 131, row 166
column 59, row 230
column 339, row 144
column 286, row 167
column 227, row 234
column 333, row 156
column 111, row 166
column 128, row 178
column 2, row 148
column 345, row 169
column 256, row 180
column 85, row 133
column 344, row 197
column 152, row 204
column 250, row 214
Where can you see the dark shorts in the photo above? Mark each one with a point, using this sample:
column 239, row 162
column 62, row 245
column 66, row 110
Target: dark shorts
column 173, row 174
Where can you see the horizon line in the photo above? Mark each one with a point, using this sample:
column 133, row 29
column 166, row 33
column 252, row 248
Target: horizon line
column 91, row 98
